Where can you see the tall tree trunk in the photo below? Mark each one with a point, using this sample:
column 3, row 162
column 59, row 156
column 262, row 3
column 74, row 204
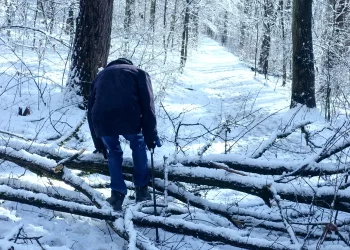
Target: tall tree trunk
column 184, row 41
column 243, row 24
column 153, row 14
column 8, row 17
column 51, row 15
column 128, row 17
column 284, row 46
column 70, row 20
column 91, row 44
column 265, row 45
column 335, row 51
column 303, row 86
column 35, row 18
column 144, row 12
column 195, row 21
column 172, row 25
column 164, row 27
column 224, row 35
column 129, row 6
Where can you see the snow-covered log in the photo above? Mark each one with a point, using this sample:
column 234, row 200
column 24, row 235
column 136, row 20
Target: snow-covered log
column 256, row 186
column 208, row 233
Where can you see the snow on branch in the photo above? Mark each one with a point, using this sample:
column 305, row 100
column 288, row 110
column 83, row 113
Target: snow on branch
column 256, row 186
column 44, row 201
column 9, row 27
column 277, row 135
column 208, row 233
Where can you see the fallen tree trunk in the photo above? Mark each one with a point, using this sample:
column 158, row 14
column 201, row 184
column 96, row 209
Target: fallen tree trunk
column 203, row 176
column 224, row 235
column 256, row 186
column 95, row 164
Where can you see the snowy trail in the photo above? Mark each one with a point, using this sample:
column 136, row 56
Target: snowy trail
column 216, row 85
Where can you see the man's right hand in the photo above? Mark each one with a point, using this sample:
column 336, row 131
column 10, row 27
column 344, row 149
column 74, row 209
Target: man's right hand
column 154, row 143
column 101, row 151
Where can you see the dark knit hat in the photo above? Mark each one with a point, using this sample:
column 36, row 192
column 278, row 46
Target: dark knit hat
column 120, row 61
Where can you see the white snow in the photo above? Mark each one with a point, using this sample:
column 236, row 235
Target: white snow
column 215, row 89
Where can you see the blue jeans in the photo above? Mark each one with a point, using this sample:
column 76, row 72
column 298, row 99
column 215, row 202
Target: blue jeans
column 141, row 175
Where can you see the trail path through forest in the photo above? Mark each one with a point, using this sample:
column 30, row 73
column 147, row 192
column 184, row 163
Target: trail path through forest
column 216, row 85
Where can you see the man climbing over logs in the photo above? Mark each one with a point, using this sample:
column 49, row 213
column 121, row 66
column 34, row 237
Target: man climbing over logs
column 121, row 103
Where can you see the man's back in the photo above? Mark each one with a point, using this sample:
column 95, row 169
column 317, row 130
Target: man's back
column 116, row 109
column 121, row 102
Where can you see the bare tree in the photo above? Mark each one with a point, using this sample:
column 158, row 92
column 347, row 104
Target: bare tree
column 281, row 10
column 70, row 20
column 265, row 45
column 91, row 44
column 129, row 6
column 303, row 86
column 153, row 14
column 184, row 41
column 224, row 35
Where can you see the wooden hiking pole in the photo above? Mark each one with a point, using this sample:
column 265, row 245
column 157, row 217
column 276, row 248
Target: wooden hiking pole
column 154, row 194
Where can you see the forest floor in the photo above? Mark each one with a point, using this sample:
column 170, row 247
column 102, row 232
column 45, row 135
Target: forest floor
column 214, row 88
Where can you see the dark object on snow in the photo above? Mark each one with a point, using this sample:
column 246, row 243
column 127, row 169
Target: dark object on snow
column 116, row 200
column 26, row 111
column 142, row 194
column 121, row 103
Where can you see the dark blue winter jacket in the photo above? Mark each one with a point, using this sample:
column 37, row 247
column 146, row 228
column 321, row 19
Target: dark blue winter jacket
column 121, row 103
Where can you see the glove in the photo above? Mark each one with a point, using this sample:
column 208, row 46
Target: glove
column 101, row 151
column 152, row 144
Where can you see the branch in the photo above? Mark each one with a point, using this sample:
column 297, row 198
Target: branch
column 44, row 201
column 285, row 222
column 207, row 233
column 279, row 135
column 36, row 30
column 203, row 232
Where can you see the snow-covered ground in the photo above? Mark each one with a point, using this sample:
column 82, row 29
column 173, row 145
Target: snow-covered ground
column 215, row 88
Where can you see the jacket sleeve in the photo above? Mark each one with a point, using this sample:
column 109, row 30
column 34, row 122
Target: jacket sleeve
column 149, row 122
column 97, row 141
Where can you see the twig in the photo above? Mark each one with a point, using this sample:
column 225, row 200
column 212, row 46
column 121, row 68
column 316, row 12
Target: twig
column 285, row 222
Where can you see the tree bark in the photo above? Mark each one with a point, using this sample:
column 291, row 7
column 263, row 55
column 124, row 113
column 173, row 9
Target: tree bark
column 243, row 25
column 284, row 46
column 265, row 45
column 8, row 18
column 184, row 41
column 303, row 86
column 91, row 44
column 70, row 20
column 172, row 25
column 224, row 35
column 153, row 14
column 129, row 15
column 338, row 11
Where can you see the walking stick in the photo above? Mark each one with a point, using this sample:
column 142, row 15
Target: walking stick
column 154, row 193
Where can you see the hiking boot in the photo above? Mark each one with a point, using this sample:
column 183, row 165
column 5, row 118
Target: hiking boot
column 116, row 200
column 142, row 194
